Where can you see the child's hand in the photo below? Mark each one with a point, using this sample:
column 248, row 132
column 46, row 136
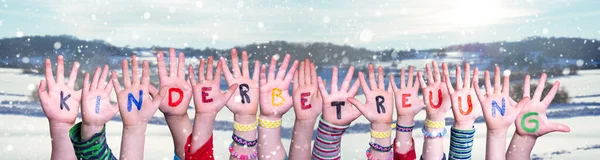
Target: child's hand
column 208, row 97
column 435, row 93
column 532, row 121
column 465, row 105
column 96, row 109
column 175, row 83
column 61, row 102
column 499, row 110
column 337, row 109
column 308, row 103
column 135, row 103
column 408, row 103
column 379, row 106
column 275, row 99
column 244, row 100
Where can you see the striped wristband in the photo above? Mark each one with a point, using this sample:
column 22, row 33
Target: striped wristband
column 461, row 143
column 94, row 148
column 328, row 141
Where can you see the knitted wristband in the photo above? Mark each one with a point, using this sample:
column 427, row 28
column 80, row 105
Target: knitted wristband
column 380, row 135
column 269, row 124
column 380, row 148
column 244, row 127
column 241, row 156
column 400, row 128
column 242, row 142
column 369, row 157
column 93, row 148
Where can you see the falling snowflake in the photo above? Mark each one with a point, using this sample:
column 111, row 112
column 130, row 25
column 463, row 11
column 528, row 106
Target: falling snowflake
column 366, row 35
column 57, row 45
column 240, row 4
column 147, row 15
column 19, row 34
column 326, row 19
column 199, row 4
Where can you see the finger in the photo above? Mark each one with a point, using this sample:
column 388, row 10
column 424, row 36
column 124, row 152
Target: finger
column 263, row 75
column 347, row 79
column 559, row 127
column 421, row 80
column 372, row 82
column 393, row 83
column 458, row 77
column 550, row 96
column 476, row 85
column 235, row 63
column 218, row 72
column 380, row 77
column 497, row 87
column 354, row 89
column 115, row 82
column 363, row 82
column 430, row 79
column 313, row 74
column 226, row 71
column 172, row 62
column 86, row 83
column 290, row 74
column 506, row 84
column 271, row 75
column 467, row 85
column 307, row 79
column 153, row 91
column 245, row 70
column 334, row 80
column 73, row 75
column 191, row 76
column 488, row 83
column 201, row 75
column 527, row 87
column 295, row 81
column 359, row 105
column 181, row 66
column 256, row 71
column 540, row 88
column 301, row 73
column 209, row 69
column 125, row 72
column 109, row 87
column 411, row 82
column 102, row 80
column 322, row 88
column 49, row 74
column 145, row 73
column 135, row 78
column 402, row 79
column 230, row 91
column 42, row 91
column 60, row 70
column 389, row 88
column 94, row 84
column 436, row 72
column 162, row 69
column 283, row 68
column 447, row 79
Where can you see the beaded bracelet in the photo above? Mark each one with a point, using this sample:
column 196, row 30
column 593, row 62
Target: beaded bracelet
column 244, row 127
column 400, row 128
column 269, row 124
column 242, row 156
column 242, row 142
column 381, row 135
column 434, row 124
column 380, row 148
column 369, row 157
column 433, row 135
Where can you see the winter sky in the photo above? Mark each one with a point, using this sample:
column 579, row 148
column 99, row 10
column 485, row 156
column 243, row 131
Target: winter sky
column 374, row 24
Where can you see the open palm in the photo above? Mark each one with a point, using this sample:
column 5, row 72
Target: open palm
column 347, row 113
column 308, row 103
column 51, row 99
column 408, row 103
column 208, row 97
column 465, row 104
column 435, row 92
column 498, row 96
column 175, row 82
column 96, row 108
column 244, row 100
column 379, row 107
column 275, row 99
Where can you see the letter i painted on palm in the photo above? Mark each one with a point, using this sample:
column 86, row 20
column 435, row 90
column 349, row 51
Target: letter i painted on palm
column 495, row 107
column 97, row 104
column 131, row 100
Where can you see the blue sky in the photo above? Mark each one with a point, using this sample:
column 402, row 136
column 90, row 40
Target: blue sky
column 371, row 24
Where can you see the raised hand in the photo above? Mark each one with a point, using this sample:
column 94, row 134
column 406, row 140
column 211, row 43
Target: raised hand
column 131, row 99
column 532, row 121
column 245, row 99
column 208, row 97
column 499, row 110
column 174, row 83
column 465, row 104
column 308, row 103
column 379, row 107
column 408, row 103
column 60, row 102
column 96, row 108
column 274, row 96
column 435, row 93
column 337, row 109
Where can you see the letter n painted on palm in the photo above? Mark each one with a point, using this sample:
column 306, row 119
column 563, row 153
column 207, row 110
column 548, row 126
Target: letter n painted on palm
column 495, row 107
column 131, row 100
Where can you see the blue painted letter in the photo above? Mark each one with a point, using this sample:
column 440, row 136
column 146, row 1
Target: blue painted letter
column 97, row 104
column 495, row 105
column 131, row 99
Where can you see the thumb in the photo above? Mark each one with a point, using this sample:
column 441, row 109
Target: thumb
column 157, row 96
column 230, row 91
column 359, row 105
column 559, row 127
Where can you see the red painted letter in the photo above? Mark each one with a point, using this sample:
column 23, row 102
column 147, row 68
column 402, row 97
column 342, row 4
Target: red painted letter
column 171, row 90
column 469, row 103
column 439, row 99
column 303, row 100
column 404, row 99
column 205, row 94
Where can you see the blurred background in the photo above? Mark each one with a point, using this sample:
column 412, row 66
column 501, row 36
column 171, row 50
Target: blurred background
column 557, row 37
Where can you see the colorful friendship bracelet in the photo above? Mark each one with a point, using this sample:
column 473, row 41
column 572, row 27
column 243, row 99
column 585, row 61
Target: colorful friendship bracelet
column 242, row 156
column 94, row 148
column 369, row 157
column 434, row 124
column 433, row 135
column 269, row 124
column 461, row 143
column 242, row 142
column 328, row 141
column 401, row 128
column 244, row 127
column 380, row 148
column 381, row 135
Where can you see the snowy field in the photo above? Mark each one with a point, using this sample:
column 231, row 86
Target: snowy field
column 22, row 135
